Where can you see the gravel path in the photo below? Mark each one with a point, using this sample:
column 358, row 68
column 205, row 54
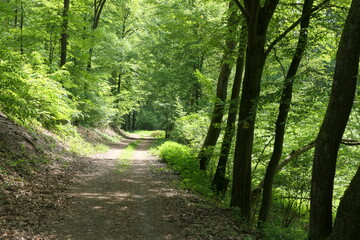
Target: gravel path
column 117, row 202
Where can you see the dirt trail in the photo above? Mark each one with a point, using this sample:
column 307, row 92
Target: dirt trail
column 117, row 202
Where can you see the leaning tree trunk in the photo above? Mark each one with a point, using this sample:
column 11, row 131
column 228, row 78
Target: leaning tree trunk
column 347, row 222
column 258, row 21
column 64, row 33
column 220, row 182
column 284, row 108
column 213, row 133
column 333, row 126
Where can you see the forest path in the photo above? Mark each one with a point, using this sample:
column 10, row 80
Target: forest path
column 121, row 199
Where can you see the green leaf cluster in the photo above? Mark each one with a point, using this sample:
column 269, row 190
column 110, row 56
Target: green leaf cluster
column 182, row 159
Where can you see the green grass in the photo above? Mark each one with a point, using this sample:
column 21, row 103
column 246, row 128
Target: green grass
column 123, row 163
column 69, row 135
column 107, row 137
column 155, row 134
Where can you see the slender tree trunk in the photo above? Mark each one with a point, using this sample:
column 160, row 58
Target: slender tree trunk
column 98, row 8
column 51, row 45
column 119, row 83
column 64, row 33
column 133, row 123
column 284, row 108
column 196, row 92
column 347, row 222
column 258, row 21
column 333, row 126
column 21, row 28
column 220, row 182
column 213, row 133
column 16, row 17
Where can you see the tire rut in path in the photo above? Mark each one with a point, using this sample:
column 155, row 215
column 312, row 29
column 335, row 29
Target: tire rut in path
column 126, row 204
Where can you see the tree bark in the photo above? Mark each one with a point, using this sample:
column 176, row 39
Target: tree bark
column 333, row 126
column 119, row 78
column 220, row 182
column 21, row 28
column 98, row 8
column 64, row 33
column 213, row 133
column 258, row 21
column 347, row 222
column 284, row 108
column 292, row 156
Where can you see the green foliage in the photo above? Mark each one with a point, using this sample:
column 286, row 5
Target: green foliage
column 108, row 138
column 157, row 62
column 26, row 165
column 71, row 138
column 276, row 232
column 28, row 91
column 159, row 134
column 183, row 160
column 190, row 129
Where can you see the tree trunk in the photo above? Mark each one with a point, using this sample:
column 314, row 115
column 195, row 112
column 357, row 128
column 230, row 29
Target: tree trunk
column 220, row 182
column 213, row 133
column 64, row 34
column 284, row 108
column 21, row 28
column 333, row 126
column 98, row 8
column 258, row 21
column 133, row 120
column 119, row 82
column 347, row 222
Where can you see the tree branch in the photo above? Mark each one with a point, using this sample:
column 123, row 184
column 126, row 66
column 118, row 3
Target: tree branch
column 242, row 9
column 350, row 142
column 296, row 153
column 281, row 36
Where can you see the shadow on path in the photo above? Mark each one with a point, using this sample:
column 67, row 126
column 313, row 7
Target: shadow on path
column 128, row 204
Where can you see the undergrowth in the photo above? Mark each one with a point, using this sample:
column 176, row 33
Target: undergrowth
column 183, row 160
column 159, row 134
column 69, row 135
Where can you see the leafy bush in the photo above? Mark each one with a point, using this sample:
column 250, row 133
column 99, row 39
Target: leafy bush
column 182, row 159
column 191, row 129
column 29, row 92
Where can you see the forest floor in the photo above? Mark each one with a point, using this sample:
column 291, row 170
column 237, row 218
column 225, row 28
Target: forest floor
column 112, row 195
column 138, row 199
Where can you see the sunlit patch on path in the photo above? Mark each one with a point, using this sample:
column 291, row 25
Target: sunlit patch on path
column 129, row 205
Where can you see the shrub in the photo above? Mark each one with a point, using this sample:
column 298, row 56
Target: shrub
column 191, row 129
column 29, row 92
column 183, row 159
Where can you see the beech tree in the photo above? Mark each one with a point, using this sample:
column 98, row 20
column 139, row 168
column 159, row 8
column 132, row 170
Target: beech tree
column 213, row 133
column 220, row 182
column 284, row 108
column 330, row 134
column 258, row 18
column 64, row 33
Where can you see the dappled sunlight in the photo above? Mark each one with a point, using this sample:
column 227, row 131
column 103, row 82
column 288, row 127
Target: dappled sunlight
column 120, row 199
